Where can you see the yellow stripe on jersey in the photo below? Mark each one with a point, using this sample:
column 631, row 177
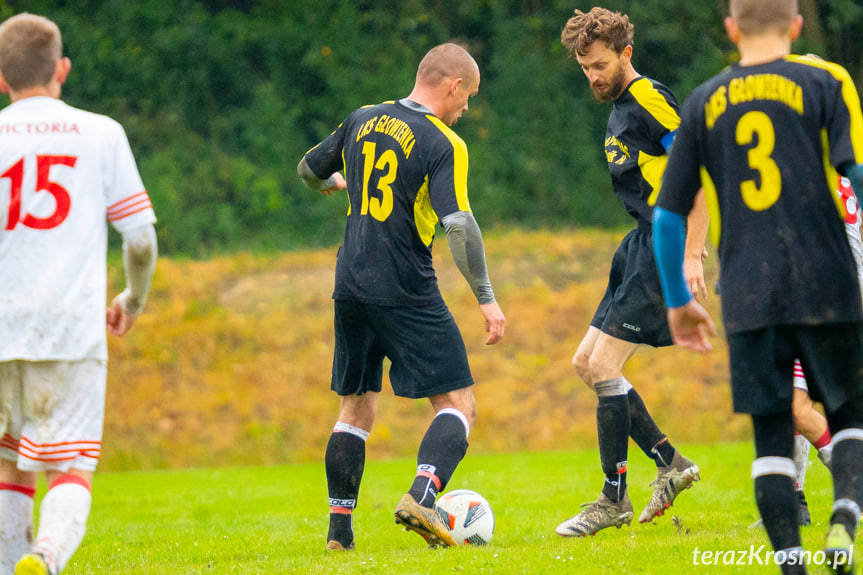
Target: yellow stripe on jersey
column 424, row 216
column 347, row 195
column 712, row 201
column 831, row 174
column 652, row 168
column 849, row 94
column 461, row 163
column 655, row 103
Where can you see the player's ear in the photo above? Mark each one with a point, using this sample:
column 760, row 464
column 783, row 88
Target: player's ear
column 4, row 87
column 796, row 27
column 62, row 69
column 732, row 30
column 626, row 55
column 454, row 85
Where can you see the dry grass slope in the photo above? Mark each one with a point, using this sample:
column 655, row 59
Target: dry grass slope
column 231, row 363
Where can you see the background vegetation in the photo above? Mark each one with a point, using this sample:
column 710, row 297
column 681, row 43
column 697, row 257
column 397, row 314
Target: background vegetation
column 221, row 98
column 231, row 363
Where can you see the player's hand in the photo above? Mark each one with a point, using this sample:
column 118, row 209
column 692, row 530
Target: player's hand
column 117, row 321
column 691, row 326
column 340, row 184
column 494, row 322
column 693, row 273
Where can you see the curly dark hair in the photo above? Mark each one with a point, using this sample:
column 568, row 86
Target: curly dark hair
column 583, row 29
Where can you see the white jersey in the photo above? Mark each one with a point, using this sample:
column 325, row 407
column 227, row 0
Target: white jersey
column 63, row 173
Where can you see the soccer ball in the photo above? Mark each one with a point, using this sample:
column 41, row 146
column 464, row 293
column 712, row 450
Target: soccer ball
column 468, row 515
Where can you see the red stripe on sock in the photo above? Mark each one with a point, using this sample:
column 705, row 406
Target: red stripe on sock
column 621, row 470
column 28, row 491
column 431, row 476
column 70, row 479
column 824, row 440
column 342, row 510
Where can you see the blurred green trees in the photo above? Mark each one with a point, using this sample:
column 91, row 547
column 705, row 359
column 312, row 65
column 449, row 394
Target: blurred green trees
column 221, row 98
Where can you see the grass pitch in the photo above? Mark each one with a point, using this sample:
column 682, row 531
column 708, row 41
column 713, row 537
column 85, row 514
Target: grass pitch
column 262, row 520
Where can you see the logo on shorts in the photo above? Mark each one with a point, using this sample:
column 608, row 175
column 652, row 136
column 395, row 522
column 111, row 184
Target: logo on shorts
column 629, row 326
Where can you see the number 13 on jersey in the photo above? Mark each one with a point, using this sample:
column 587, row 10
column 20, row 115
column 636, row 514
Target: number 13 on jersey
column 379, row 208
column 62, row 199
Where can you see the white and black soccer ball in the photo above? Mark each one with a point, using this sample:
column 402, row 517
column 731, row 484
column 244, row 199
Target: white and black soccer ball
column 468, row 515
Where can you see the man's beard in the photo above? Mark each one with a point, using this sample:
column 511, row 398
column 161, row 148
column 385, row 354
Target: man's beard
column 613, row 88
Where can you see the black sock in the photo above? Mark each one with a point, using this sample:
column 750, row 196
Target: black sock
column 774, row 495
column 344, row 460
column 646, row 433
column 847, row 481
column 774, row 479
column 845, row 425
column 612, row 426
column 441, row 450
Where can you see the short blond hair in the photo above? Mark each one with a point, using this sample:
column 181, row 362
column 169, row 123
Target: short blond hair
column 611, row 28
column 755, row 17
column 446, row 61
column 30, row 47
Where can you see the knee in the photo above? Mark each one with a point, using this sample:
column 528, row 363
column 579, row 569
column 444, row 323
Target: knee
column 581, row 364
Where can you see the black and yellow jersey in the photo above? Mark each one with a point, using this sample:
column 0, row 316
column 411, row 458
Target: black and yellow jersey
column 640, row 129
column 404, row 170
column 763, row 141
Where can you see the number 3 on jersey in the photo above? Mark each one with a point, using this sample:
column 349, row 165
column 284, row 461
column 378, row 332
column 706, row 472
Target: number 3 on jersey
column 379, row 208
column 63, row 202
column 751, row 125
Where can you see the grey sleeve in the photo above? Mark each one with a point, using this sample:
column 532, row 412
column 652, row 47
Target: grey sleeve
column 311, row 180
column 140, row 250
column 465, row 243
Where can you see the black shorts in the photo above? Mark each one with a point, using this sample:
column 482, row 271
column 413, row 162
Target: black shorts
column 423, row 343
column 762, row 366
column 633, row 308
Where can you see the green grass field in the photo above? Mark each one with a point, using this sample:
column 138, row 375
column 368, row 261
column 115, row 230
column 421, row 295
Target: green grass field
column 274, row 519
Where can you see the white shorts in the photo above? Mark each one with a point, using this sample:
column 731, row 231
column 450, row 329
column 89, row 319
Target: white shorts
column 51, row 413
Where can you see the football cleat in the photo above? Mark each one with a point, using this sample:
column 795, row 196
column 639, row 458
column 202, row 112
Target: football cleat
column 804, row 518
column 32, row 564
column 333, row 545
column 838, row 549
column 423, row 520
column 596, row 516
column 669, row 483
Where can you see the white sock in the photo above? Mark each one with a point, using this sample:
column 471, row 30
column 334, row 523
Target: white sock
column 16, row 526
column 801, row 460
column 62, row 521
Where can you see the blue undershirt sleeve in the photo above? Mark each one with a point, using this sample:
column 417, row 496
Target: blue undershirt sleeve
column 667, row 140
column 669, row 237
column 855, row 174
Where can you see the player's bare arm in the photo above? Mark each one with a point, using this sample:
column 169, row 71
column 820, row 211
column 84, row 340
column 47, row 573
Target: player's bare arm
column 698, row 222
column 466, row 245
column 139, row 260
column 327, row 186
